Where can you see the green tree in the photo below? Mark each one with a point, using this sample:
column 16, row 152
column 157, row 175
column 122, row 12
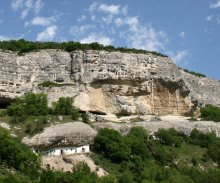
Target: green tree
column 17, row 155
column 169, row 137
column 126, row 177
column 64, row 106
column 137, row 140
column 29, row 104
column 36, row 104
column 110, row 143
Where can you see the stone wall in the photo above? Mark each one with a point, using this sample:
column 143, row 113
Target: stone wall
column 109, row 82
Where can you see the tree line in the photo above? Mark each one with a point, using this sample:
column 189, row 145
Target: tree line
column 22, row 46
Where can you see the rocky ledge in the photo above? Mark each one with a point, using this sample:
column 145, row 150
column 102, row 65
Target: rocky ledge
column 72, row 134
column 107, row 82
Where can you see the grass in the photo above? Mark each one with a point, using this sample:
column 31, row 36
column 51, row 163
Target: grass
column 105, row 163
column 188, row 153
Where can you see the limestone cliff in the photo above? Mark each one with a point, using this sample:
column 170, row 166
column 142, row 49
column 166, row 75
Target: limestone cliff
column 107, row 82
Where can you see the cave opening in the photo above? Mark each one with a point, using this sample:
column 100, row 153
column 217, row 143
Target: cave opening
column 5, row 102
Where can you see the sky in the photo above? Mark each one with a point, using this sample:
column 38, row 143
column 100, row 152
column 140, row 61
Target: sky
column 188, row 31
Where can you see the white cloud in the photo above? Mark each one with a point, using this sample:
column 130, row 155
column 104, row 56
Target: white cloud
column 113, row 20
column 93, row 37
column 179, row 56
column 78, row 30
column 16, row 4
column 215, row 5
column 112, row 9
column 106, row 8
column 119, row 22
column 182, row 34
column 80, row 19
column 44, row 21
column 209, row 18
column 47, row 34
column 140, row 35
column 145, row 37
column 38, row 6
column 108, row 19
column 93, row 7
column 26, row 6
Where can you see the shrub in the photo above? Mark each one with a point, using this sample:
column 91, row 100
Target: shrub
column 29, row 104
column 85, row 118
column 111, row 144
column 36, row 104
column 63, row 106
column 169, row 137
column 210, row 113
column 17, row 155
column 3, row 112
column 195, row 73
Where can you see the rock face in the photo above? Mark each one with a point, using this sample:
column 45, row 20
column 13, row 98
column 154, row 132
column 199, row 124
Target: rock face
column 72, row 134
column 179, row 123
column 107, row 82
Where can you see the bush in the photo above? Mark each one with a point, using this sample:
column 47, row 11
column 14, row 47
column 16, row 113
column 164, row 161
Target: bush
column 195, row 73
column 75, row 114
column 169, row 137
column 204, row 140
column 29, row 104
column 137, row 140
column 210, row 113
column 64, row 106
column 85, row 118
column 3, row 112
column 17, row 155
column 111, row 144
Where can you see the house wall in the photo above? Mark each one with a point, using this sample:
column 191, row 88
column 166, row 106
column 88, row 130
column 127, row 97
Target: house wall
column 63, row 150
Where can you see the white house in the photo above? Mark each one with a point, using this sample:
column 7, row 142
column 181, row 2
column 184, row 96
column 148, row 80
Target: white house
column 59, row 151
column 63, row 139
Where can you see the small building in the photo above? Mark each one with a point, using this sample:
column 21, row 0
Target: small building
column 59, row 151
column 63, row 139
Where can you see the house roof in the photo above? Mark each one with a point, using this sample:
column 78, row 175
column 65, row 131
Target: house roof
column 62, row 135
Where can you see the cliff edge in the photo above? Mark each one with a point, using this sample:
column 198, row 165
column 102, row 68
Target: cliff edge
column 107, row 82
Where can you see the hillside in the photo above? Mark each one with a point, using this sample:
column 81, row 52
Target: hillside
column 146, row 119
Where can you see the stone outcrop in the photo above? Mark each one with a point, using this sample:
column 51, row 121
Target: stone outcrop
column 107, row 82
column 72, row 134
column 181, row 124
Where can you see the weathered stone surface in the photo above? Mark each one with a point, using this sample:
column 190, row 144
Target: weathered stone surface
column 69, row 134
column 108, row 82
column 179, row 123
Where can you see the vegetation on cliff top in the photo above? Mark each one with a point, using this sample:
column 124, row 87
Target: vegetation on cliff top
column 22, row 46
column 195, row 73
